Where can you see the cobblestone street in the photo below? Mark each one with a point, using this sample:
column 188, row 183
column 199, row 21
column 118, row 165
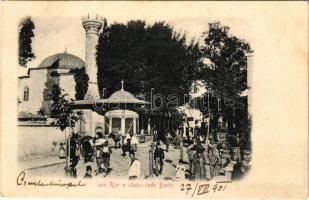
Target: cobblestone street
column 119, row 165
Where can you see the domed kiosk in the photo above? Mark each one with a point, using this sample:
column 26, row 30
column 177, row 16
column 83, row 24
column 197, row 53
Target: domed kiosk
column 117, row 112
column 120, row 119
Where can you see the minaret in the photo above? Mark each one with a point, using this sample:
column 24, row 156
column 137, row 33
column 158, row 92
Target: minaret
column 92, row 26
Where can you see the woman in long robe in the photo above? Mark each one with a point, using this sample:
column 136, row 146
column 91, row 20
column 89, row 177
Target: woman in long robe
column 199, row 162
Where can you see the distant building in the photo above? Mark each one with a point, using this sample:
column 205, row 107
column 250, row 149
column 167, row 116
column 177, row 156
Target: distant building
column 194, row 116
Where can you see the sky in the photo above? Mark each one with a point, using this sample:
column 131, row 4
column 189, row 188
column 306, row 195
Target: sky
column 57, row 33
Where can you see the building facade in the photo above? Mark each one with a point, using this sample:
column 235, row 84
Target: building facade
column 34, row 95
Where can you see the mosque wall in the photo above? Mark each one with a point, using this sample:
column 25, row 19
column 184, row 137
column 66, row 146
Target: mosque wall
column 36, row 87
column 67, row 83
column 36, row 84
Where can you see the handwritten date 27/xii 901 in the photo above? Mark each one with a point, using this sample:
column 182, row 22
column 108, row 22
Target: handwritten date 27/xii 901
column 205, row 188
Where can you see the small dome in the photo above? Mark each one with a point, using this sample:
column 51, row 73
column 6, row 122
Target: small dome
column 66, row 60
column 121, row 95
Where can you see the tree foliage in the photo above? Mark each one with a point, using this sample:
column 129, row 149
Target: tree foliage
column 26, row 34
column 52, row 78
column 145, row 57
column 81, row 83
column 156, row 56
column 226, row 74
column 61, row 109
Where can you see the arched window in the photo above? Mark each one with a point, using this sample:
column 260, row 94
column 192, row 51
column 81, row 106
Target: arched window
column 26, row 93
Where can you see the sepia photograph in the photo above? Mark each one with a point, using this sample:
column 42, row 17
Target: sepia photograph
column 146, row 100
column 154, row 99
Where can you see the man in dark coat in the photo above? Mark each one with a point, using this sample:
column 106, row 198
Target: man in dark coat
column 74, row 155
column 88, row 150
column 159, row 153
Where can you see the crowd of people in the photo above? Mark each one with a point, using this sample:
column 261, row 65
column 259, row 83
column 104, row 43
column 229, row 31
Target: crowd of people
column 199, row 154
column 195, row 152
column 97, row 149
column 201, row 151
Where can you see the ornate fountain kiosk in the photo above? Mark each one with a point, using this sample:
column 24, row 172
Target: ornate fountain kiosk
column 117, row 113
column 120, row 117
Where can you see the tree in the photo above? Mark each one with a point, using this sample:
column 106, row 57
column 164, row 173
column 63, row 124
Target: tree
column 61, row 110
column 26, row 34
column 146, row 57
column 226, row 74
column 52, row 78
column 81, row 83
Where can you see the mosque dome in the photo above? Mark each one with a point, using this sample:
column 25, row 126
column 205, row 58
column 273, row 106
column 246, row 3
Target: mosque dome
column 66, row 61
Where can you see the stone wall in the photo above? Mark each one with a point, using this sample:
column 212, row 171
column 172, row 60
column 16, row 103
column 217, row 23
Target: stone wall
column 38, row 141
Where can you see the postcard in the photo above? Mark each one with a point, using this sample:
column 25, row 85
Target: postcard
column 151, row 99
